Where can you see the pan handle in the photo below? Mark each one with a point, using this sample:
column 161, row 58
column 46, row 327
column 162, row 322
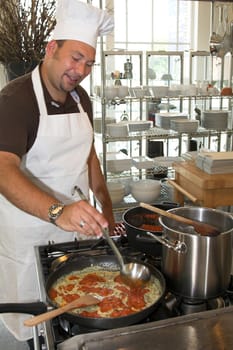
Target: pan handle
column 179, row 247
column 34, row 308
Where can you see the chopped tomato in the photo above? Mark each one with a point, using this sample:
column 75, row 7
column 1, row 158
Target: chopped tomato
column 119, row 279
column 73, row 277
column 123, row 289
column 136, row 301
column 70, row 297
column 69, row 287
column 96, row 290
column 120, row 313
column 110, row 303
column 93, row 314
column 53, row 293
column 92, row 278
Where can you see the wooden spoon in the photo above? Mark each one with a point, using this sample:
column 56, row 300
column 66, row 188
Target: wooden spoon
column 77, row 303
column 200, row 227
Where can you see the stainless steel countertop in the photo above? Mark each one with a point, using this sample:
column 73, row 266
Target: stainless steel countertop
column 209, row 330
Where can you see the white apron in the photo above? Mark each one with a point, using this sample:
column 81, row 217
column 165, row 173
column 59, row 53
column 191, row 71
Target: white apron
column 56, row 162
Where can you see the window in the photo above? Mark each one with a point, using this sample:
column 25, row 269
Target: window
column 152, row 25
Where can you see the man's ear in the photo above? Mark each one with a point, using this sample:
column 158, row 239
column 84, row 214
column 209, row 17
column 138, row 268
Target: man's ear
column 51, row 47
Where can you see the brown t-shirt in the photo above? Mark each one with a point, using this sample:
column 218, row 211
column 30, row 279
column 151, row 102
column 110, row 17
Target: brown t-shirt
column 19, row 113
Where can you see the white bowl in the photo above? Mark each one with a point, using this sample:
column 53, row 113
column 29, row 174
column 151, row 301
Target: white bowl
column 123, row 91
column 115, row 187
column 146, row 190
column 111, row 92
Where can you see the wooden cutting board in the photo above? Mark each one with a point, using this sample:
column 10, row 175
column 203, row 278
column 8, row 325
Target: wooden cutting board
column 211, row 190
column 200, row 178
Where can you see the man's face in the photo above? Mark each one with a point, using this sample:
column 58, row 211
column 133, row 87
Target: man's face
column 69, row 64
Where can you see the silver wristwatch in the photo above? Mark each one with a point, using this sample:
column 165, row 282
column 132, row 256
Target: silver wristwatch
column 55, row 211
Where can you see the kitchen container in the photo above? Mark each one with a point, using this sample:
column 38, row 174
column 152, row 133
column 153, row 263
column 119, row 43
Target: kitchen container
column 146, row 190
column 133, row 220
column 196, row 266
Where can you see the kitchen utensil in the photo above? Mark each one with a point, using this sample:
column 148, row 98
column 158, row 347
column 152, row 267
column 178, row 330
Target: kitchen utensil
column 201, row 228
column 134, row 274
column 78, row 303
column 184, row 192
column 196, row 266
column 133, row 218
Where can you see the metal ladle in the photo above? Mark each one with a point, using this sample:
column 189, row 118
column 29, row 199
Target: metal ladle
column 133, row 274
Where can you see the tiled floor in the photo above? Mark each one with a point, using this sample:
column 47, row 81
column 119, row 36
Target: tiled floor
column 8, row 342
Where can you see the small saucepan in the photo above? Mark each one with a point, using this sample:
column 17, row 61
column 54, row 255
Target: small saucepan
column 138, row 221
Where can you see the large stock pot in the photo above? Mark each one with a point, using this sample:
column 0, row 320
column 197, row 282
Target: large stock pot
column 196, row 266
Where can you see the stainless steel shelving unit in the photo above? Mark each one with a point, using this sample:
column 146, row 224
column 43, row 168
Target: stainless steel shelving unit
column 114, row 60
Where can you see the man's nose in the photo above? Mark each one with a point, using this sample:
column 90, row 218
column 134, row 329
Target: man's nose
column 81, row 68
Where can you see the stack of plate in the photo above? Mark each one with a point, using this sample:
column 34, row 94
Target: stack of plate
column 117, row 162
column 215, row 162
column 163, row 120
column 215, row 119
column 98, row 123
column 139, row 125
column 116, row 191
column 117, row 130
column 184, row 125
column 143, row 162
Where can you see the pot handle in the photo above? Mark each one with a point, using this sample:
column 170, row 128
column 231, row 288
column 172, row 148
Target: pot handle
column 179, row 247
column 34, row 308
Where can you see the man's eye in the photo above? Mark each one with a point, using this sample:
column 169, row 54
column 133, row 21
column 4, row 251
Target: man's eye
column 76, row 59
column 90, row 64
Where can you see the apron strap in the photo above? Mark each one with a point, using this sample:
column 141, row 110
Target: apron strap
column 39, row 91
column 36, row 81
column 76, row 98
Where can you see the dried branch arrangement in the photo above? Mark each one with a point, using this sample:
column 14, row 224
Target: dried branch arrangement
column 25, row 28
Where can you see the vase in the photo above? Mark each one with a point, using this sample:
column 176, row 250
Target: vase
column 17, row 68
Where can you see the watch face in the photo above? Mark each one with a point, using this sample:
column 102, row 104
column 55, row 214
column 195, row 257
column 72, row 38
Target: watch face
column 55, row 211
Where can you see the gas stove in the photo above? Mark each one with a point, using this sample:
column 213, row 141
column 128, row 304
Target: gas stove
column 58, row 331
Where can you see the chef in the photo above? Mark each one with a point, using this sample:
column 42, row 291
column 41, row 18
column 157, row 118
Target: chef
column 46, row 152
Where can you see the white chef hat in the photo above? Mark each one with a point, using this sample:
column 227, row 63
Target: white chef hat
column 76, row 20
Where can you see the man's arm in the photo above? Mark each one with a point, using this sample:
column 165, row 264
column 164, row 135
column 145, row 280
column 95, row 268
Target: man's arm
column 21, row 192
